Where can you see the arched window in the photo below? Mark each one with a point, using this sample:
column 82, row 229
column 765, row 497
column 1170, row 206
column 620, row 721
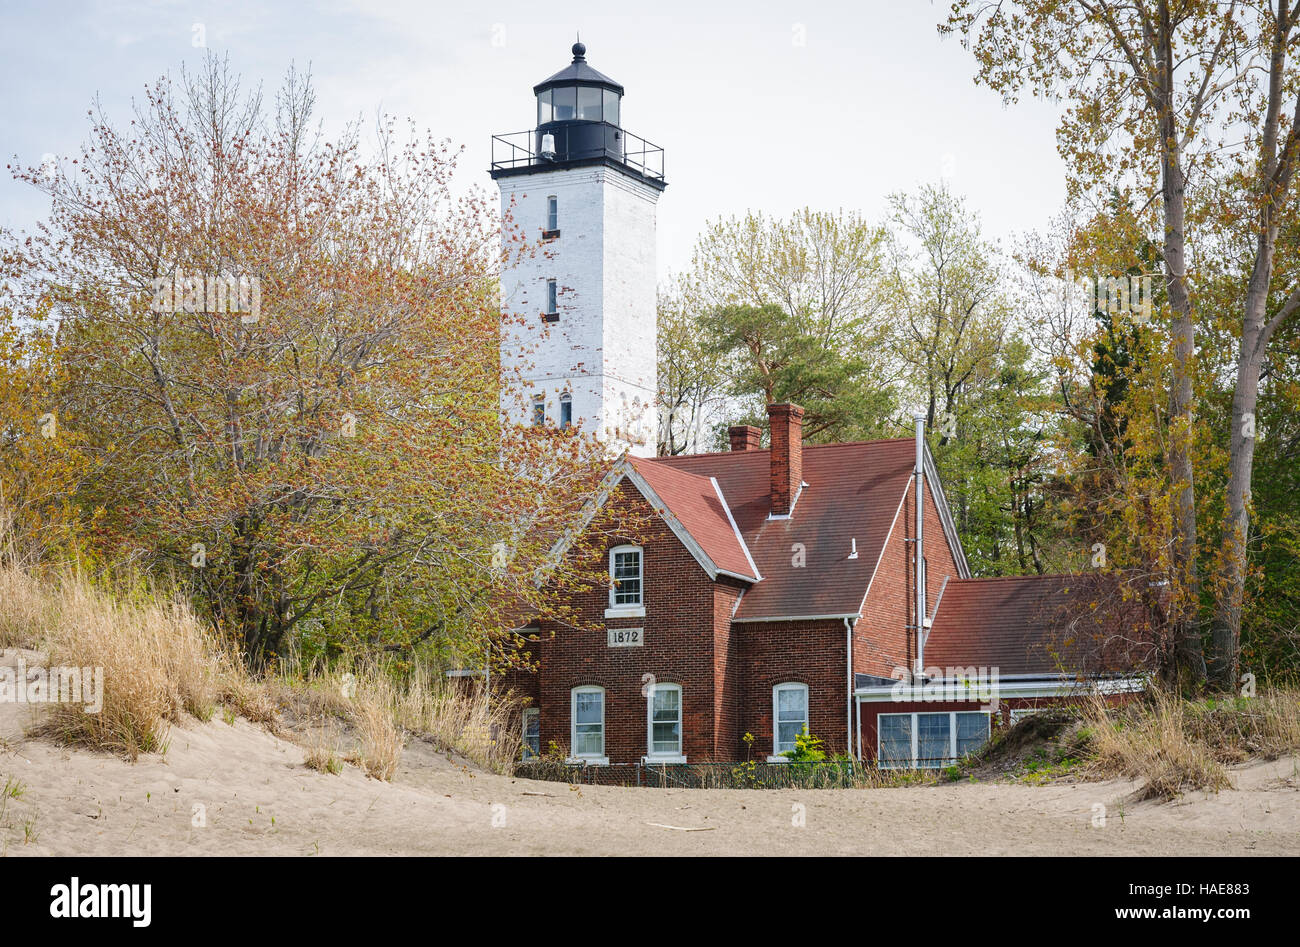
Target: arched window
column 664, row 723
column 566, row 410
column 587, row 724
column 789, row 716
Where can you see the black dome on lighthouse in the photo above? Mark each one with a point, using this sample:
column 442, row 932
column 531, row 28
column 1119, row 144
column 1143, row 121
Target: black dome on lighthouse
column 578, row 73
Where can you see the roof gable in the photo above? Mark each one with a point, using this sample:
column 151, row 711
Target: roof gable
column 694, row 508
column 852, row 495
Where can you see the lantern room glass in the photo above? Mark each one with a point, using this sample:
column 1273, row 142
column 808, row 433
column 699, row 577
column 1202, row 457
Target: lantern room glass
column 588, row 104
column 581, row 103
column 564, row 101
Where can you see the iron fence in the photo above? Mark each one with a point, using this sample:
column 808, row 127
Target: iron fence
column 829, row 774
column 836, row 774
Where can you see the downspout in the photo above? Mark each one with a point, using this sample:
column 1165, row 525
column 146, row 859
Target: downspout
column 857, row 705
column 848, row 650
column 920, row 544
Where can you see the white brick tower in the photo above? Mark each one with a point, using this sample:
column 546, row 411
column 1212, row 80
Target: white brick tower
column 586, row 189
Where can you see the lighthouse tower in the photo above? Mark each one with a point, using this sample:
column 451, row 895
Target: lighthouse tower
column 578, row 346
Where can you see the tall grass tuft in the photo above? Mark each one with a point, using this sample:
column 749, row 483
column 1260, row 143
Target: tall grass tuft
column 1150, row 742
column 158, row 659
column 382, row 702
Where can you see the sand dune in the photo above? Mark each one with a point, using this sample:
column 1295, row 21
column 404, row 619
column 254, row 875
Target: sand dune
column 259, row 799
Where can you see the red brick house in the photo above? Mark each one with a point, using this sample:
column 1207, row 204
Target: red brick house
column 776, row 590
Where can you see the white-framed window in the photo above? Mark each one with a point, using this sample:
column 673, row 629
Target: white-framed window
column 539, row 410
column 789, row 717
column 552, row 213
column 929, row 740
column 532, row 733
column 566, row 410
column 587, row 727
column 552, row 298
column 664, row 723
column 626, row 579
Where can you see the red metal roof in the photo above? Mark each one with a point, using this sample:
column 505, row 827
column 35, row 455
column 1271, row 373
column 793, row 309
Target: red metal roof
column 853, row 492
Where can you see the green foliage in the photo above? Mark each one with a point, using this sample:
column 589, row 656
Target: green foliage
column 807, row 748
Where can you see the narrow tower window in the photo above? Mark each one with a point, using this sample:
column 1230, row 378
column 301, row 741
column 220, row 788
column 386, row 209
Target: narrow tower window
column 539, row 410
column 566, row 410
column 552, row 217
column 552, row 313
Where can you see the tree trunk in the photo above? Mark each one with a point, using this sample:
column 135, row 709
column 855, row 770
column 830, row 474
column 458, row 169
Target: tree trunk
column 1225, row 630
column 1186, row 574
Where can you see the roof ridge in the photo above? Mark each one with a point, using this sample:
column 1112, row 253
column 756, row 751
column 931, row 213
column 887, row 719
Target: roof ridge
column 767, row 450
column 1034, row 575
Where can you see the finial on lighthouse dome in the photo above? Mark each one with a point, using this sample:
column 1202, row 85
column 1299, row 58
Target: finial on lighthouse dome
column 579, row 52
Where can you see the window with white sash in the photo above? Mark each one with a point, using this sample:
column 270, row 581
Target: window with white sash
column 587, row 731
column 532, row 733
column 929, row 740
column 626, row 576
column 664, row 723
column 789, row 716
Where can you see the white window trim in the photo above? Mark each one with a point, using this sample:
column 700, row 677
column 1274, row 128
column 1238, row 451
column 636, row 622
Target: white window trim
column 776, row 756
column 626, row 610
column 650, row 755
column 552, row 201
column 600, row 759
column 532, row 712
column 952, row 737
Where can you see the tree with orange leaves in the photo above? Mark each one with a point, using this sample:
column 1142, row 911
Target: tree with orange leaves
column 278, row 357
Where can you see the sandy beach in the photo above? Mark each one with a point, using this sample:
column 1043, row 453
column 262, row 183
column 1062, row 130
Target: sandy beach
column 235, row 789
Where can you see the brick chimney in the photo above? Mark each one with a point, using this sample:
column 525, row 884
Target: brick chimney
column 786, row 422
column 745, row 437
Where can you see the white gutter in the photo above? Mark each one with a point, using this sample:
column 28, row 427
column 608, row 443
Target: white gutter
column 848, row 650
column 1002, row 689
column 920, row 544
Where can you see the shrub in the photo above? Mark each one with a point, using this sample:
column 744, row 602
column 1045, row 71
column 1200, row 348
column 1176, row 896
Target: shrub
column 807, row 748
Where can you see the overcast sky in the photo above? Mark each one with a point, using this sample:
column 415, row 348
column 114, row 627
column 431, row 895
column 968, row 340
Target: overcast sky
column 762, row 105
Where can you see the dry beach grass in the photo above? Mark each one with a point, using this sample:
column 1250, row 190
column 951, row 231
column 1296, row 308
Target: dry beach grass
column 191, row 755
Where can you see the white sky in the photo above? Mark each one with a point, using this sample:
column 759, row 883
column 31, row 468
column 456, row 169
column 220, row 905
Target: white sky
column 873, row 102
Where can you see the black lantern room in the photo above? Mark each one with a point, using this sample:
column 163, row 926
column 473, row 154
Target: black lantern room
column 579, row 122
column 577, row 93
